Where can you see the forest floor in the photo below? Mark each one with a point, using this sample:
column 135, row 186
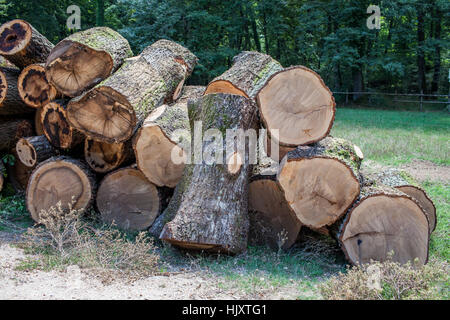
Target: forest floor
column 416, row 142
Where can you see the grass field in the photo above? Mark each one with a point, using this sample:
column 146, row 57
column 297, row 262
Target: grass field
column 387, row 137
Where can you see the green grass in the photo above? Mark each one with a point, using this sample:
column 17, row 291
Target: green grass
column 396, row 137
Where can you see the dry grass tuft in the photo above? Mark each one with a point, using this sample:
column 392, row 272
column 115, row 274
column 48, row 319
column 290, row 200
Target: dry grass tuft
column 389, row 281
column 65, row 239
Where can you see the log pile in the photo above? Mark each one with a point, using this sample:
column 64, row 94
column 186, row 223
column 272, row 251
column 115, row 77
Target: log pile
column 129, row 125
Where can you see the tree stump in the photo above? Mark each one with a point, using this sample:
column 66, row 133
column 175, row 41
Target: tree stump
column 56, row 128
column 60, row 180
column 297, row 103
column 112, row 111
column 10, row 101
column 155, row 142
column 126, row 197
column 210, row 204
column 84, row 59
column 34, row 89
column 22, row 44
column 34, row 150
column 320, row 182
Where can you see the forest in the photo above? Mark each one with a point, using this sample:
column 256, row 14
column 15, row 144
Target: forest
column 408, row 54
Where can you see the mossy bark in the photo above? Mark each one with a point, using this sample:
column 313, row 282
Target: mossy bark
column 211, row 204
column 248, row 74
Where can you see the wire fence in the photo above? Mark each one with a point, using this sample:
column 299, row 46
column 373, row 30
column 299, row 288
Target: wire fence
column 422, row 98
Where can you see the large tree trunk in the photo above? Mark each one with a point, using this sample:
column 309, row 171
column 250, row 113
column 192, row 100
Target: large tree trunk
column 383, row 219
column 402, row 181
column 60, row 180
column 34, row 88
column 34, row 150
column 85, row 58
column 104, row 157
column 126, row 197
column 272, row 221
column 22, row 44
column 10, row 101
column 296, row 106
column 248, row 74
column 210, row 203
column 56, row 128
column 11, row 130
column 421, row 81
column 158, row 140
column 437, row 51
column 320, row 182
column 111, row 111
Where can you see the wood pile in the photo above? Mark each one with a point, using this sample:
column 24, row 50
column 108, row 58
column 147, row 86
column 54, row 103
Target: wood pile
column 93, row 126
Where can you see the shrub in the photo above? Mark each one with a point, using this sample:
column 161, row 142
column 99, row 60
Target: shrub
column 389, row 280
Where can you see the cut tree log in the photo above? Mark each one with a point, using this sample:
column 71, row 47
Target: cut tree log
column 34, row 89
column 104, row 157
column 128, row 199
column 320, row 182
column 34, row 150
column 297, row 103
column 282, row 150
column 247, row 75
column 56, row 127
column 60, row 180
column 383, row 219
column 272, row 221
column 155, row 142
column 210, row 204
column 11, row 130
column 402, row 181
column 38, row 122
column 22, row 44
column 18, row 173
column 113, row 110
column 10, row 101
column 84, row 59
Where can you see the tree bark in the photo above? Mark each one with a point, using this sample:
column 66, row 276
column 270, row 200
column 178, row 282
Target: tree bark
column 11, row 130
column 2, row 174
column 22, row 44
column 10, row 101
column 128, row 199
column 296, row 106
column 60, row 180
column 56, row 127
column 248, row 74
column 34, row 150
column 18, row 173
column 113, row 110
column 163, row 135
column 421, row 81
column 38, row 122
column 85, row 58
column 321, row 181
column 437, row 52
column 383, row 219
column 34, row 88
column 210, row 203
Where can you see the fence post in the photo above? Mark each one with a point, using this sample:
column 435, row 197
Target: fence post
column 421, row 100
column 346, row 97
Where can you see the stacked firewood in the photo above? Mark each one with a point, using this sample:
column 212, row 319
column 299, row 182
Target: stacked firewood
column 93, row 126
